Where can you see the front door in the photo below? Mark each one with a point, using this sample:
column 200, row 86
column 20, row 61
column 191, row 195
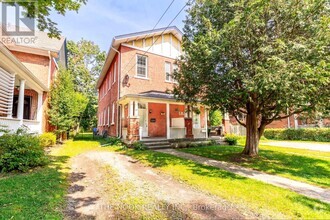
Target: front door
column 143, row 119
column 157, row 119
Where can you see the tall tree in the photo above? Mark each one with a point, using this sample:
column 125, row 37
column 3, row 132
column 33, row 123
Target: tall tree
column 85, row 62
column 66, row 105
column 267, row 59
column 40, row 10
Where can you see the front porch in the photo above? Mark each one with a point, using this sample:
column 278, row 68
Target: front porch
column 145, row 118
column 21, row 95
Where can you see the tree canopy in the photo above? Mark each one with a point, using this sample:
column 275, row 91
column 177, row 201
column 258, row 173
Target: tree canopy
column 85, row 62
column 266, row 59
column 40, row 10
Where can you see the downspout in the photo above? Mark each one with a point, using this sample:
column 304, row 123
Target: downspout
column 118, row 132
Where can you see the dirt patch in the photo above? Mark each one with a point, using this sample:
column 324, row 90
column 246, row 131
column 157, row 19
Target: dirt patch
column 87, row 190
column 105, row 179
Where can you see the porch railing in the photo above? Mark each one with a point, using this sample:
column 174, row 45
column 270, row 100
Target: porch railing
column 13, row 124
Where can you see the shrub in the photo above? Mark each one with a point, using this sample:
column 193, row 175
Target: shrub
column 231, row 139
column 114, row 141
column 138, row 146
column 303, row 134
column 47, row 139
column 193, row 145
column 20, row 152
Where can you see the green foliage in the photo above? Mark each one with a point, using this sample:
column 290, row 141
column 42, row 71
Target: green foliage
column 85, row 62
column 266, row 59
column 304, row 134
column 215, row 118
column 138, row 145
column 231, row 139
column 114, row 141
column 299, row 164
column 42, row 9
column 66, row 105
column 20, row 152
column 47, row 139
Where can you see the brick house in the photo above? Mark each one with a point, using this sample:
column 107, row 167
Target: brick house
column 26, row 73
column 133, row 100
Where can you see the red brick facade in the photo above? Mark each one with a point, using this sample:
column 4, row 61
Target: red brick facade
column 45, row 69
column 123, row 110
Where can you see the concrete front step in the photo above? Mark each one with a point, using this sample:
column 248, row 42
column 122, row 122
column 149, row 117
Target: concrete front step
column 156, row 143
column 158, row 147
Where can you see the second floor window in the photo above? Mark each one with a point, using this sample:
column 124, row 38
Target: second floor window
column 168, row 72
column 141, row 66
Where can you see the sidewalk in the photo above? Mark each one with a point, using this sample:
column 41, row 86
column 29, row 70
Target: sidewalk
column 296, row 186
column 298, row 144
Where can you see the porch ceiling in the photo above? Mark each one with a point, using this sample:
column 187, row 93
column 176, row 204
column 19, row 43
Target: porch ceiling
column 12, row 65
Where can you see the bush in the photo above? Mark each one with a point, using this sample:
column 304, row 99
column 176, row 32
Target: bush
column 303, row 134
column 21, row 152
column 138, row 146
column 47, row 139
column 114, row 141
column 231, row 139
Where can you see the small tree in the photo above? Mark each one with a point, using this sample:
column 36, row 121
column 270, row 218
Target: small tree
column 215, row 118
column 66, row 105
column 266, row 59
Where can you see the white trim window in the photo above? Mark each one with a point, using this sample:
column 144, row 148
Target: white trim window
column 113, row 114
column 108, row 115
column 141, row 66
column 104, row 116
column 174, row 68
column 109, row 80
column 114, row 73
column 168, row 77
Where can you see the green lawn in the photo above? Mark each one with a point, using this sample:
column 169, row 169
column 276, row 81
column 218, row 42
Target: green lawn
column 304, row 165
column 40, row 194
column 259, row 197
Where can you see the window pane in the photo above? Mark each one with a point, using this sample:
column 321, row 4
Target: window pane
column 168, row 71
column 141, row 66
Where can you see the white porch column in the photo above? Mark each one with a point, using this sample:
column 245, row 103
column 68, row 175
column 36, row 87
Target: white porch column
column 206, row 127
column 168, row 129
column 20, row 107
column 131, row 110
column 40, row 110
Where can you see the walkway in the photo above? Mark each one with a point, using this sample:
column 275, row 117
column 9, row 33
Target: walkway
column 104, row 184
column 299, row 187
column 298, row 144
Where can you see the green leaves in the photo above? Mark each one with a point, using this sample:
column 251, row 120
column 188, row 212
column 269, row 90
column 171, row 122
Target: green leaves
column 274, row 53
column 66, row 105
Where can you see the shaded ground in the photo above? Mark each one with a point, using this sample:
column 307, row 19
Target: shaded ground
column 299, row 144
column 312, row 167
column 102, row 183
column 299, row 187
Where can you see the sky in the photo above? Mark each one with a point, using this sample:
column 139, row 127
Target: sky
column 101, row 20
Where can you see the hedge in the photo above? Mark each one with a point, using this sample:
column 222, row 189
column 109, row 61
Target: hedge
column 303, row 134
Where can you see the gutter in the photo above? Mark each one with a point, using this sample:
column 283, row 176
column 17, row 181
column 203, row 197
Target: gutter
column 118, row 132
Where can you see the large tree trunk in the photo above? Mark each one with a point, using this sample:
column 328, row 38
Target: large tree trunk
column 252, row 132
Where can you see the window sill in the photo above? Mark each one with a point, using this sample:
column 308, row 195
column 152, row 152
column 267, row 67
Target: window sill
column 140, row 77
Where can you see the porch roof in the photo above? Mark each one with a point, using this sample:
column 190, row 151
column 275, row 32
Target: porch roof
column 153, row 95
column 15, row 65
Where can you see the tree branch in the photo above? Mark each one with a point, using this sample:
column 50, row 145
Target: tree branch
column 241, row 123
